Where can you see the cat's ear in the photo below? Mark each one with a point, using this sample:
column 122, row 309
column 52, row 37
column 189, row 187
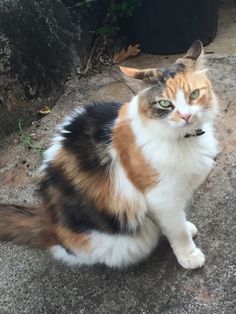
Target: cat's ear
column 195, row 51
column 194, row 57
column 145, row 74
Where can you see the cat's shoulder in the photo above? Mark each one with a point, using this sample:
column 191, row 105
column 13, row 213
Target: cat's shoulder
column 92, row 114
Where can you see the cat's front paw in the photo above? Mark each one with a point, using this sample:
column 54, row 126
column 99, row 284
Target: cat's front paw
column 192, row 260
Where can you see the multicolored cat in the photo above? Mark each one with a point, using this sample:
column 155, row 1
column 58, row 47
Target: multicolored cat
column 118, row 176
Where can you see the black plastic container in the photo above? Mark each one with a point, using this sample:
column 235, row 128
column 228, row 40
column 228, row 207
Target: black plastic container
column 171, row 26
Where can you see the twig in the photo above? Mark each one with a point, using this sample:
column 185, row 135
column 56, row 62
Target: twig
column 121, row 80
column 90, row 56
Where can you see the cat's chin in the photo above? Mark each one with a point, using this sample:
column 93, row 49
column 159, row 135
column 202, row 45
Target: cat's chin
column 192, row 128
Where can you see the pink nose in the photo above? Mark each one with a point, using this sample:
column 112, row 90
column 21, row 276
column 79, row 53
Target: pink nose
column 186, row 116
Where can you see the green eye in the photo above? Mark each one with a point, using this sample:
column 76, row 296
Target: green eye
column 165, row 103
column 194, row 94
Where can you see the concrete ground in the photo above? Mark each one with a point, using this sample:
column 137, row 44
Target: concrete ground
column 31, row 282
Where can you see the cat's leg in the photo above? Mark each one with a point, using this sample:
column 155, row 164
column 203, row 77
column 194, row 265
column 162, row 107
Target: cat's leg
column 192, row 228
column 113, row 250
column 61, row 254
column 173, row 224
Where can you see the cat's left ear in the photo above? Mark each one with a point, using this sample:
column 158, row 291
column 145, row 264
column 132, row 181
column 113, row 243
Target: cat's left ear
column 194, row 57
column 144, row 74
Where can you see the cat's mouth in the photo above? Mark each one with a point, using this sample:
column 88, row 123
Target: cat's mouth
column 187, row 123
column 191, row 126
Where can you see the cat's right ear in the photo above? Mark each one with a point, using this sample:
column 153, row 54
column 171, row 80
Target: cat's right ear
column 195, row 51
column 194, row 57
column 145, row 74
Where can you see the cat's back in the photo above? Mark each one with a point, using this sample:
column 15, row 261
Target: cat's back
column 76, row 173
column 86, row 135
column 92, row 120
column 88, row 132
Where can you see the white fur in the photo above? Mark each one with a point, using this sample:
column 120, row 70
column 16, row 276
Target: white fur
column 51, row 152
column 180, row 103
column 127, row 191
column 56, row 145
column 113, row 250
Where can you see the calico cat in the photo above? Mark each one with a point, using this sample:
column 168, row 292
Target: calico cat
column 117, row 176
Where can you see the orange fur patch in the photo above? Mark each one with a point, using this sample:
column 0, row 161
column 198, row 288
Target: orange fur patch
column 176, row 116
column 136, row 167
column 98, row 188
column 188, row 82
column 73, row 240
column 203, row 100
column 178, row 82
column 144, row 74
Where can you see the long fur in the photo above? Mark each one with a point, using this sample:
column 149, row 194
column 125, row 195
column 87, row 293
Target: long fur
column 26, row 225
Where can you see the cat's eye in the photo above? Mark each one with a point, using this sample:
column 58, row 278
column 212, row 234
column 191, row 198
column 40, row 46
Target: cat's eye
column 194, row 94
column 165, row 103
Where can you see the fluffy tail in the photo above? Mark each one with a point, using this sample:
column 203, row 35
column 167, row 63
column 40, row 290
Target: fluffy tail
column 26, row 225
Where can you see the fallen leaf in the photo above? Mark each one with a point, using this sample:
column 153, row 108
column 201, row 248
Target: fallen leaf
column 124, row 54
column 44, row 110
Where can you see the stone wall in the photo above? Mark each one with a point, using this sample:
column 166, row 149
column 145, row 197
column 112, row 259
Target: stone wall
column 41, row 43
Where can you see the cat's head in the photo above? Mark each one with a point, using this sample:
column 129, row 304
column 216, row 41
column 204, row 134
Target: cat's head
column 180, row 97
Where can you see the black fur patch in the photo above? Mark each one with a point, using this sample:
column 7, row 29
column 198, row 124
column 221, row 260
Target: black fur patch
column 171, row 71
column 160, row 113
column 90, row 135
column 75, row 210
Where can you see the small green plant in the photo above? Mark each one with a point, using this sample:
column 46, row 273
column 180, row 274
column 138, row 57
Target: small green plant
column 116, row 10
column 125, row 7
column 29, row 142
column 107, row 30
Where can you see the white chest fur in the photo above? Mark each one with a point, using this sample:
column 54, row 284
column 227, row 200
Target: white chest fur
column 182, row 163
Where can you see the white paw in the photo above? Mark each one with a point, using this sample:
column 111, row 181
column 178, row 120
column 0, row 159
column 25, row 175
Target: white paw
column 192, row 260
column 192, row 228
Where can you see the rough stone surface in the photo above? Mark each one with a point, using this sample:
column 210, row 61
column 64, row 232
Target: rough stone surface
column 36, row 56
column 41, row 44
column 31, row 282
